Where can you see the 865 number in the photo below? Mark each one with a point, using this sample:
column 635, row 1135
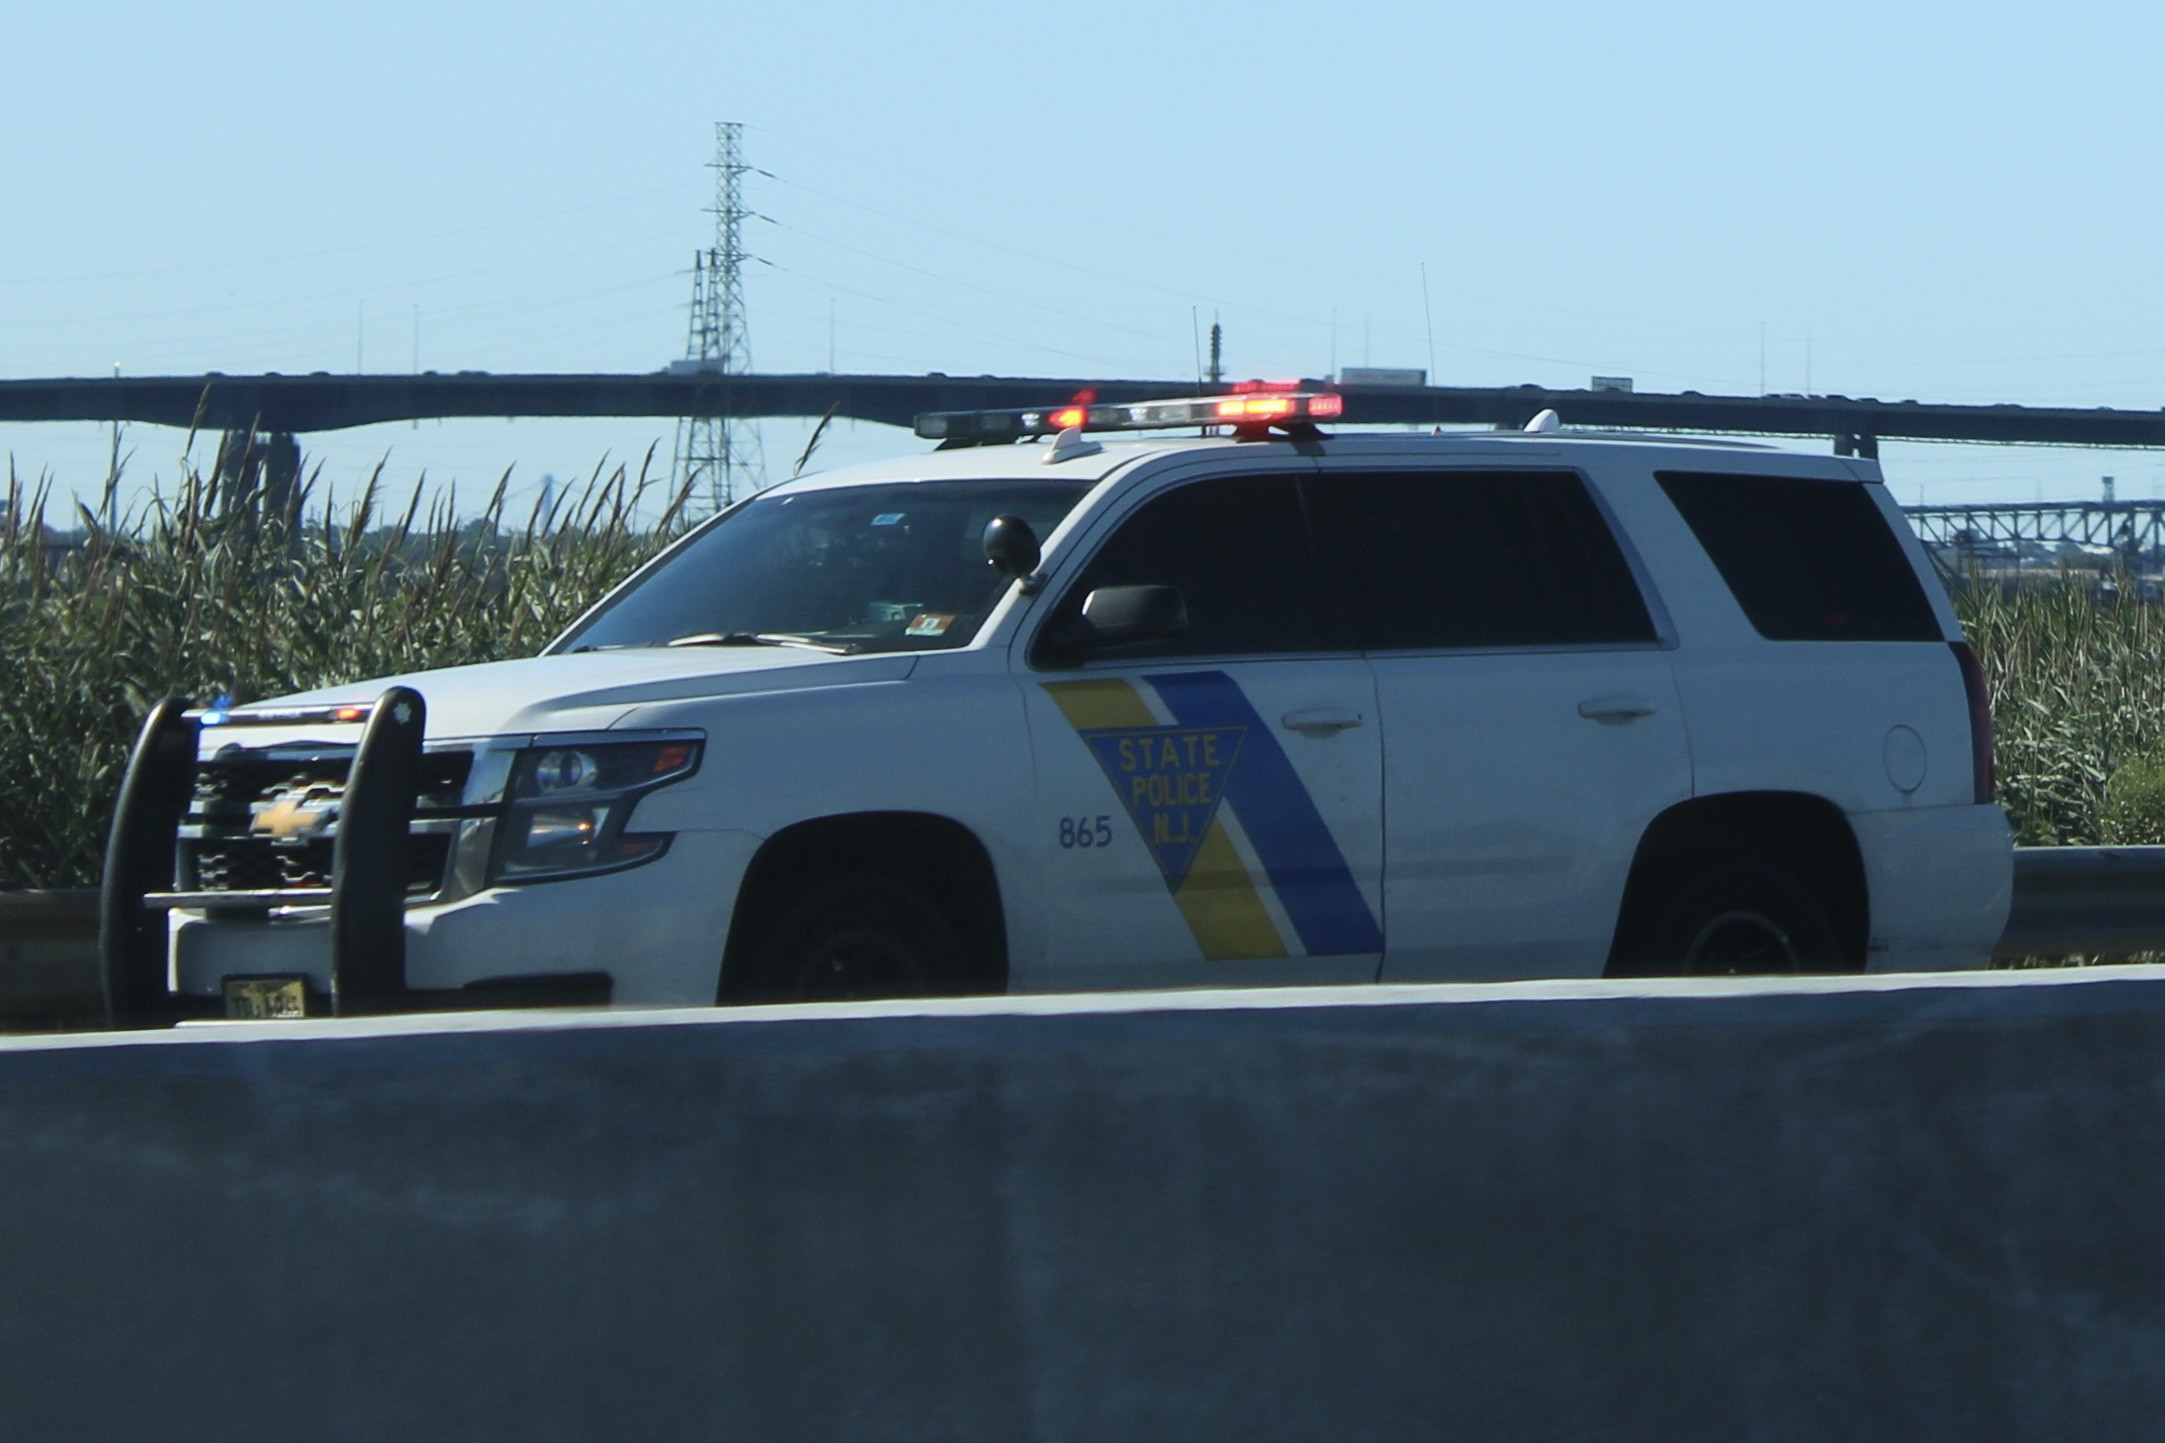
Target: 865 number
column 1086, row 832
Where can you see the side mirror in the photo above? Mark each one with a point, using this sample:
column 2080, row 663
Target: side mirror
column 1011, row 547
column 1118, row 615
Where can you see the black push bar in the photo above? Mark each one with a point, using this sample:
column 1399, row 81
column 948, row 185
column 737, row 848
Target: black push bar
column 371, row 859
column 139, row 857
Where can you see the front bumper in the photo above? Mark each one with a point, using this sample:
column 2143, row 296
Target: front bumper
column 297, row 863
column 657, row 931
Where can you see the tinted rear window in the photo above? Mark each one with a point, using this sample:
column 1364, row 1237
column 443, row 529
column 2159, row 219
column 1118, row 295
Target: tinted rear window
column 1465, row 559
column 1807, row 560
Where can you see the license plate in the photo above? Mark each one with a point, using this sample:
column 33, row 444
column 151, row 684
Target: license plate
column 273, row 997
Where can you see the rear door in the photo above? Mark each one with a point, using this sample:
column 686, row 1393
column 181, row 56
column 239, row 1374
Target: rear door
column 1531, row 728
column 1209, row 808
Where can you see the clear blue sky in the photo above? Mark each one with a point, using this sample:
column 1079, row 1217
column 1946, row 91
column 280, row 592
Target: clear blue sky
column 1941, row 202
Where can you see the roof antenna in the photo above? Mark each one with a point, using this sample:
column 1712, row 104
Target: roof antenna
column 1428, row 314
column 1545, row 423
column 1070, row 443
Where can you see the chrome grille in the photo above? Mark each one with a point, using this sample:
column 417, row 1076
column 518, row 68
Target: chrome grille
column 266, row 819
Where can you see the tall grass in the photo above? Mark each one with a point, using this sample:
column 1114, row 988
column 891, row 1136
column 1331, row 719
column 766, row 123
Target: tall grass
column 2078, row 701
column 194, row 597
column 186, row 596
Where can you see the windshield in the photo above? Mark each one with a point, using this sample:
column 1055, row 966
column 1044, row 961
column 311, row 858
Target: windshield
column 861, row 568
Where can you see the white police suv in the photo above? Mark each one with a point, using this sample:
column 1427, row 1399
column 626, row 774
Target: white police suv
column 1037, row 711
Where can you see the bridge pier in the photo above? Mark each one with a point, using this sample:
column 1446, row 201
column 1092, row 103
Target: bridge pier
column 256, row 474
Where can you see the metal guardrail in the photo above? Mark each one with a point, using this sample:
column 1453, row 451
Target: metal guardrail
column 49, row 959
column 2069, row 901
column 2092, row 901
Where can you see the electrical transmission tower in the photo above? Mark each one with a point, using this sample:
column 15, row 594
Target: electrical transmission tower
column 717, row 455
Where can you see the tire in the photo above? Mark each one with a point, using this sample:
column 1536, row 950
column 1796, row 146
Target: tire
column 1745, row 918
column 849, row 937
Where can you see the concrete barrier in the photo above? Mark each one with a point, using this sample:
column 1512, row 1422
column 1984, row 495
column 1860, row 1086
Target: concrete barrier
column 1917, row 1208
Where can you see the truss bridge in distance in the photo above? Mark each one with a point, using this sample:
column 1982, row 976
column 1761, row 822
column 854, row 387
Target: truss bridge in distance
column 2041, row 531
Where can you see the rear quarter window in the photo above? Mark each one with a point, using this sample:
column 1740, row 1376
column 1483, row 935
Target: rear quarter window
column 1806, row 560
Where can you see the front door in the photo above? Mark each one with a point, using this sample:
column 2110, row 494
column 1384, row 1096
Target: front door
column 1209, row 808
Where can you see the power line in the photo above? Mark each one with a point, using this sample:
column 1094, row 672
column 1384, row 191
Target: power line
column 257, row 263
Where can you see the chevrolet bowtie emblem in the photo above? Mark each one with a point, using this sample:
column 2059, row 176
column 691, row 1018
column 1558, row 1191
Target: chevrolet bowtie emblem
column 296, row 816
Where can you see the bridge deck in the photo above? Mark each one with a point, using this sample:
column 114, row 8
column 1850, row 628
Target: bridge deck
column 322, row 402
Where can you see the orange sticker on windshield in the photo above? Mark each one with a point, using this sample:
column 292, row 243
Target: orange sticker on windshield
column 929, row 623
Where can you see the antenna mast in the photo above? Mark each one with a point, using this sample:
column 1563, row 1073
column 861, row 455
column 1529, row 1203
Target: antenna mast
column 715, row 453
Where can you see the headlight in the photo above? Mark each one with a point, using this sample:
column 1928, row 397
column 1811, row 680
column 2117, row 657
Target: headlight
column 565, row 808
column 562, row 769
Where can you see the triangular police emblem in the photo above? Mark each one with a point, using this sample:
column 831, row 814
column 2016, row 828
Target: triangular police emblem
column 1171, row 779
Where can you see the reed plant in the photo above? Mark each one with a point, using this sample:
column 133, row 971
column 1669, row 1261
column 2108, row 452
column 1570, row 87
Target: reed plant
column 192, row 595
column 2077, row 676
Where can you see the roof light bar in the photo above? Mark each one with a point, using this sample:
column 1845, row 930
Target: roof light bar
column 1247, row 407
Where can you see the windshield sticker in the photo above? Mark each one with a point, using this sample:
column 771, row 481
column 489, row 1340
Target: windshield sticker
column 888, row 518
column 929, row 623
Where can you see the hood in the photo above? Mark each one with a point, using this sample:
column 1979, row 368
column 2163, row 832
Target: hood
column 590, row 691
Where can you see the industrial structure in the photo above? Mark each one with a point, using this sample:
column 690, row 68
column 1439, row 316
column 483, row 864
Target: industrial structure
column 718, row 454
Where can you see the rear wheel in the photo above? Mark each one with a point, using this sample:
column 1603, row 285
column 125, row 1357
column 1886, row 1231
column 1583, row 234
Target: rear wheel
column 855, row 936
column 1743, row 918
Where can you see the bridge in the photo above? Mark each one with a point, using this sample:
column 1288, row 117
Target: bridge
column 291, row 405
column 2133, row 529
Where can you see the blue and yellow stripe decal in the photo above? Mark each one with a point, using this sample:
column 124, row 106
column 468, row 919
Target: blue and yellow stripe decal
column 1173, row 780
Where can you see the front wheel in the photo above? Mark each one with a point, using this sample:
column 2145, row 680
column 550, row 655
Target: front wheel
column 850, row 937
column 1744, row 918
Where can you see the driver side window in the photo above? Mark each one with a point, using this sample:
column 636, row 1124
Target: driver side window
column 1236, row 547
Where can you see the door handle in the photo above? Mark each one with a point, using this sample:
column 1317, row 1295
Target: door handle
column 1615, row 710
column 1321, row 720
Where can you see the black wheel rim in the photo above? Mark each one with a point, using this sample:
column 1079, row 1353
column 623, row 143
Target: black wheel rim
column 860, row 962
column 1742, row 942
